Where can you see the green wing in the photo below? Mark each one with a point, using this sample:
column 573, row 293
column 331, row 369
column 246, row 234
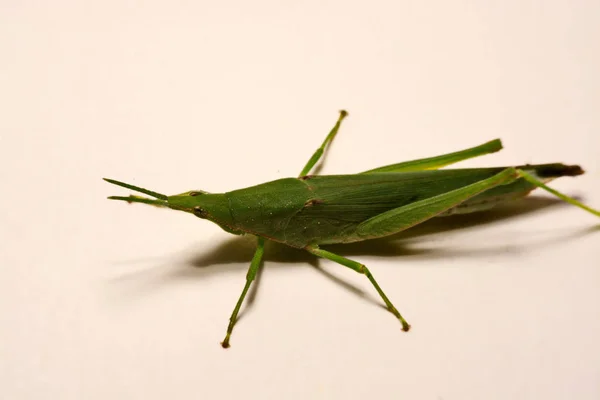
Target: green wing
column 339, row 203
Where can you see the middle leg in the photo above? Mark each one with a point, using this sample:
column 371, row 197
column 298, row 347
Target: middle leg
column 361, row 269
column 319, row 152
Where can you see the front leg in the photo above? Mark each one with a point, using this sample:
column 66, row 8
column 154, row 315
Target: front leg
column 254, row 265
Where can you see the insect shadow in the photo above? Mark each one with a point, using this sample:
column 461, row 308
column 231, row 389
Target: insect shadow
column 234, row 253
column 238, row 250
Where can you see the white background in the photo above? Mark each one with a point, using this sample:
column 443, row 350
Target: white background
column 101, row 300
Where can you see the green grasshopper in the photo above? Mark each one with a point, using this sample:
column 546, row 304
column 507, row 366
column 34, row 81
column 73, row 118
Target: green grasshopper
column 313, row 210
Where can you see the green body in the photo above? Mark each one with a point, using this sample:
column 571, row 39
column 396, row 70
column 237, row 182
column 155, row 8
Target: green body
column 326, row 209
column 310, row 211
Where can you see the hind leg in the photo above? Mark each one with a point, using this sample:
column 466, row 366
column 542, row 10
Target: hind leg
column 401, row 218
column 531, row 179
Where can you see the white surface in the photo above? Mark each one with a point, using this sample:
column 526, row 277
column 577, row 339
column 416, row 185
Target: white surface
column 99, row 300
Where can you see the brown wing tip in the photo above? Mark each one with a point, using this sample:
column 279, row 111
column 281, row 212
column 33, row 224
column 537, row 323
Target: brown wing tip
column 556, row 170
column 573, row 170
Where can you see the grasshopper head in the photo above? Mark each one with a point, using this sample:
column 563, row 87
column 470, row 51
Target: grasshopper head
column 204, row 205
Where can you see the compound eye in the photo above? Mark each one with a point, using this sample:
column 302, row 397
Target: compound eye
column 199, row 212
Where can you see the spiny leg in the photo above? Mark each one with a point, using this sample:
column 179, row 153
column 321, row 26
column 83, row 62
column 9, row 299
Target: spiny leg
column 361, row 269
column 319, row 152
column 531, row 179
column 254, row 265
